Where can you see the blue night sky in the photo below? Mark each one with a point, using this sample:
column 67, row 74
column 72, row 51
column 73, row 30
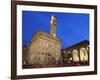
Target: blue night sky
column 71, row 27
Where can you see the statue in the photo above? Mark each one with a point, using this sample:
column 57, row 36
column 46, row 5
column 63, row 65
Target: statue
column 53, row 26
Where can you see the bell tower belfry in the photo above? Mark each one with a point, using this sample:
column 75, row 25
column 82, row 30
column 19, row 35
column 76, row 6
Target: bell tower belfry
column 53, row 25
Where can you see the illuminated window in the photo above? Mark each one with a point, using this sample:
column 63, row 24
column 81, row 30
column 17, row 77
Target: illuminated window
column 47, row 45
column 24, row 62
column 75, row 55
column 64, row 51
column 83, row 54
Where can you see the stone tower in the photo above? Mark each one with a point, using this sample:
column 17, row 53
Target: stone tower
column 53, row 25
column 44, row 49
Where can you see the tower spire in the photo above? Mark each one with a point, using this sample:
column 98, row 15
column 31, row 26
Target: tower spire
column 53, row 25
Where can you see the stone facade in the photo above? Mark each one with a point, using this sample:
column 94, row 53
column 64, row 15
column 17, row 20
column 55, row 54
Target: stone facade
column 44, row 49
column 76, row 54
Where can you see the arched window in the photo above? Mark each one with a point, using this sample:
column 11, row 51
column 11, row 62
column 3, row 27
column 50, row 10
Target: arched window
column 75, row 55
column 83, row 54
column 42, row 53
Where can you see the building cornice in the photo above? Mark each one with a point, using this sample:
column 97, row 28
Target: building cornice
column 45, row 36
